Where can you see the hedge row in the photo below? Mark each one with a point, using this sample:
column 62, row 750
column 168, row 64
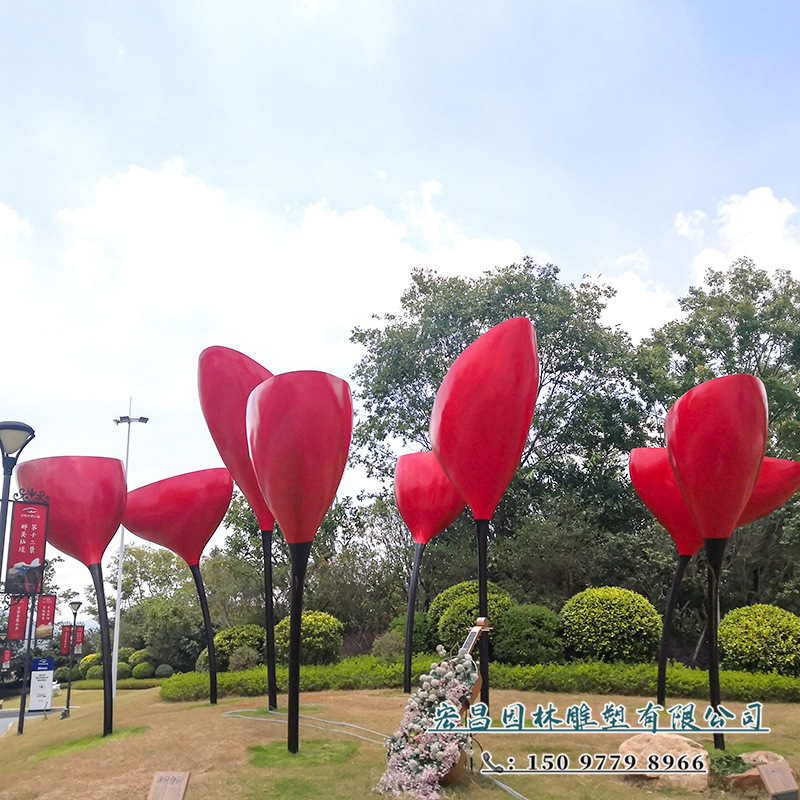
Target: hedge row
column 586, row 677
column 127, row 683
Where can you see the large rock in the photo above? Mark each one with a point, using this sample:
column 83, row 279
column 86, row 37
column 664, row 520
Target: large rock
column 644, row 745
column 752, row 777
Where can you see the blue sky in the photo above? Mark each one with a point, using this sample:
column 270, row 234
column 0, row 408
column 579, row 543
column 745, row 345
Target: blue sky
column 265, row 175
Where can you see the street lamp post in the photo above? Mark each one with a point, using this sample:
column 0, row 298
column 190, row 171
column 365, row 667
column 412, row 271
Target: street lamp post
column 118, row 611
column 13, row 438
column 74, row 605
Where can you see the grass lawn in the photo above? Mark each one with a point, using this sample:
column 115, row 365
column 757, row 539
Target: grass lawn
column 232, row 753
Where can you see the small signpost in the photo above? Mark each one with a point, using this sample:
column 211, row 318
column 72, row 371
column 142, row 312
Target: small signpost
column 42, row 684
column 169, row 786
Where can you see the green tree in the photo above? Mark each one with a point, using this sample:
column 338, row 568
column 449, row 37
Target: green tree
column 588, row 415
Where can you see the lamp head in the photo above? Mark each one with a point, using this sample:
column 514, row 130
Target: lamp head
column 14, row 436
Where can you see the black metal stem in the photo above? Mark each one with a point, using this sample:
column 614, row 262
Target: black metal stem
column 299, row 553
column 412, row 602
column 715, row 548
column 669, row 613
column 26, row 670
column 8, row 467
column 71, row 659
column 482, row 535
column 212, row 657
column 105, row 643
column 269, row 608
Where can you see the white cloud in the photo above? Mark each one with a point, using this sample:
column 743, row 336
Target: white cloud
column 640, row 304
column 691, row 225
column 758, row 225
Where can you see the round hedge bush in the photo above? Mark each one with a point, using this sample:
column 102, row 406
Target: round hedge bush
column 422, row 636
column 95, row 673
column 389, row 647
column 460, row 617
column 124, row 671
column 144, row 670
column 243, row 658
column 611, row 624
column 761, row 638
column 140, row 657
column 92, row 660
column 164, row 671
column 230, row 639
column 528, row 634
column 61, row 675
column 445, row 599
column 321, row 637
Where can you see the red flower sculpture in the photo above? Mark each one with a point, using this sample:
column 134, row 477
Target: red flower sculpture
column 716, row 436
column 426, row 499
column 483, row 412
column 225, row 379
column 299, row 426
column 87, row 500
column 777, row 481
column 180, row 513
column 654, row 482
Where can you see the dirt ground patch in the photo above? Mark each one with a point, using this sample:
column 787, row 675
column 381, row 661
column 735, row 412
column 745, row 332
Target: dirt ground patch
column 229, row 755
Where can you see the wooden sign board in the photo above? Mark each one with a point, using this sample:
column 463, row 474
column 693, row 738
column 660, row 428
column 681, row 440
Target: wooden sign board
column 778, row 780
column 169, row 786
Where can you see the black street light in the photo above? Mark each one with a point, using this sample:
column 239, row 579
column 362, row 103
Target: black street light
column 74, row 605
column 13, row 438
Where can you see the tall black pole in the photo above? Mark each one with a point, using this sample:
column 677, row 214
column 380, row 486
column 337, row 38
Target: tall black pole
column 299, row 553
column 71, row 660
column 669, row 613
column 412, row 602
column 269, row 608
column 26, row 670
column 482, row 535
column 715, row 548
column 105, row 644
column 212, row 657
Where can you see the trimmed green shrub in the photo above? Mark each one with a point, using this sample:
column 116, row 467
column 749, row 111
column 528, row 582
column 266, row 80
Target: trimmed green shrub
column 423, row 635
column 164, row 671
column 124, row 671
column 579, row 677
column 611, row 624
column 389, row 646
column 460, row 617
column 125, row 653
column 230, row 639
column 144, row 670
column 95, row 673
column 61, row 675
column 242, row 658
column 761, row 638
column 92, row 660
column 140, row 657
column 445, row 599
column 321, row 637
column 528, row 634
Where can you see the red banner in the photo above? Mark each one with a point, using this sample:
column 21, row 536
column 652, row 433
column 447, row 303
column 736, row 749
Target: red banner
column 66, row 639
column 79, row 638
column 6, row 662
column 45, row 616
column 26, row 548
column 17, row 619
